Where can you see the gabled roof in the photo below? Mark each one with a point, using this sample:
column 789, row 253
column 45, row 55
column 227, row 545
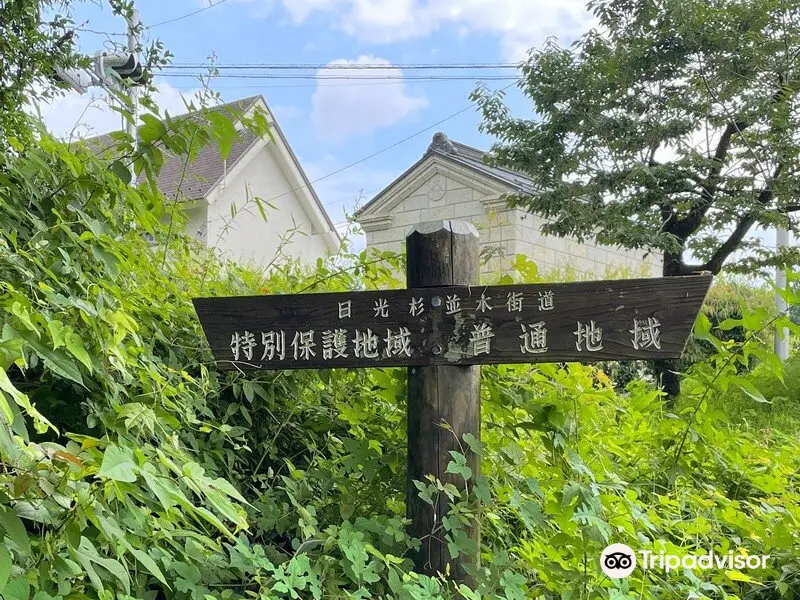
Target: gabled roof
column 197, row 180
column 199, row 177
column 467, row 156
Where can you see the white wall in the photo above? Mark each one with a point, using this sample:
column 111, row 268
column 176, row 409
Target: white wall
column 504, row 233
column 588, row 259
column 460, row 201
column 197, row 220
column 247, row 237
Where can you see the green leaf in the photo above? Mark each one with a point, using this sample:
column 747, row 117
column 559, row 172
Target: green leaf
column 56, row 360
column 260, row 205
column 751, row 390
column 22, row 400
column 702, row 326
column 107, row 258
column 474, row 443
column 15, row 530
column 122, row 171
column 458, row 466
column 78, row 350
column 225, row 507
column 152, row 129
column 5, row 566
column 61, row 365
column 224, row 131
column 150, row 565
column 211, row 518
column 118, row 465
column 164, row 489
column 738, row 576
column 225, row 487
column 17, row 588
column 87, row 554
column 8, row 387
column 56, row 329
column 249, row 390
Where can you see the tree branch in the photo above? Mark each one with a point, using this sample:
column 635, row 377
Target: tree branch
column 708, row 188
column 716, row 261
column 692, row 222
column 651, row 160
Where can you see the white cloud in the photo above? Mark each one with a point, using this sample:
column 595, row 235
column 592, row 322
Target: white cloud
column 74, row 115
column 341, row 111
column 520, row 24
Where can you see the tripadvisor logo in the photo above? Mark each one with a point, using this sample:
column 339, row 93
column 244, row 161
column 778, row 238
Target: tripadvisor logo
column 618, row 561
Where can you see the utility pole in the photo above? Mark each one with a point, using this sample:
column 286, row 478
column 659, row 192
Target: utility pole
column 781, row 333
column 109, row 69
column 133, row 43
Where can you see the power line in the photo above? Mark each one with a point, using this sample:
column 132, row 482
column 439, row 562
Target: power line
column 348, row 66
column 381, row 151
column 322, row 85
column 345, row 77
column 186, row 16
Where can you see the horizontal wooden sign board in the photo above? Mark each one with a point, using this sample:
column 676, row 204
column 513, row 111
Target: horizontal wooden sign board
column 566, row 322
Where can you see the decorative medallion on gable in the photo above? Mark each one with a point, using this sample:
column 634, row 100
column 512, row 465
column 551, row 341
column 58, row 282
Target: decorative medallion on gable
column 437, row 188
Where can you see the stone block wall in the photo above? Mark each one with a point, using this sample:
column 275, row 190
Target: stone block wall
column 504, row 233
column 589, row 259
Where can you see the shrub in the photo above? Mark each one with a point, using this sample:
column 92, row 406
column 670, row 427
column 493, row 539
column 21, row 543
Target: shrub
column 132, row 468
column 780, row 410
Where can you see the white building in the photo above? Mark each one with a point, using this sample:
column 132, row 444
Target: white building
column 451, row 181
column 218, row 195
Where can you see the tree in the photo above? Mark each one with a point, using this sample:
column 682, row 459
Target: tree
column 671, row 127
column 30, row 50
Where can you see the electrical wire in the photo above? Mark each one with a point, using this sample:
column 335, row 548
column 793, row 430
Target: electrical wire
column 343, row 77
column 348, row 66
column 379, row 152
column 323, row 85
column 186, row 16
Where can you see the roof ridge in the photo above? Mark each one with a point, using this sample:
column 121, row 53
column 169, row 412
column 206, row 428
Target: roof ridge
column 246, row 103
column 443, row 144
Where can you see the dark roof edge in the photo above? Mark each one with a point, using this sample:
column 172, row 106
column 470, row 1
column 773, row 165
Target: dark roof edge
column 446, row 148
column 393, row 183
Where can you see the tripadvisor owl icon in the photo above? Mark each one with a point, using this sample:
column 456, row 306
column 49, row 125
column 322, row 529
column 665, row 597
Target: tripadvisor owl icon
column 618, row 561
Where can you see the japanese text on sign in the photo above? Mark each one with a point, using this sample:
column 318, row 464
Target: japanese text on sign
column 455, row 325
column 341, row 343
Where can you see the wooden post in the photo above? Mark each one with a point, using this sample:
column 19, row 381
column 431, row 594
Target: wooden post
column 442, row 328
column 440, row 253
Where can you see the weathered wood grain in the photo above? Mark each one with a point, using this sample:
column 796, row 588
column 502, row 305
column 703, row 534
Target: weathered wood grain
column 443, row 342
column 444, row 253
column 438, row 338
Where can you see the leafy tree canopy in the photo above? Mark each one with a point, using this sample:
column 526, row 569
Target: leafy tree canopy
column 671, row 126
column 36, row 37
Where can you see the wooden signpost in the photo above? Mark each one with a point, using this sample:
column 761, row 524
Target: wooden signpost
column 443, row 327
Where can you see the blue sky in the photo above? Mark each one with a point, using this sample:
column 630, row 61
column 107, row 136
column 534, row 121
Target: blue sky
column 331, row 124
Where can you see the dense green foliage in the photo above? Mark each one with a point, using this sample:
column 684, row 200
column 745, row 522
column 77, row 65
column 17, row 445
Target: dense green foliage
column 30, row 49
column 671, row 126
column 132, row 468
column 782, row 409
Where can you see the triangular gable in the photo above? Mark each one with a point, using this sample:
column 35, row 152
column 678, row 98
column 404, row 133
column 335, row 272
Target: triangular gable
column 296, row 177
column 428, row 166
